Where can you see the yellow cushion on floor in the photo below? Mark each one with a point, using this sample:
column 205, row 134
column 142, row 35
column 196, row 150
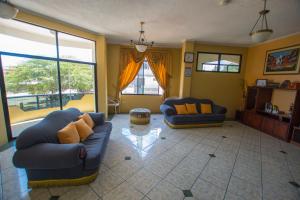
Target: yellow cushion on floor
column 206, row 108
column 181, row 109
column 88, row 120
column 83, row 129
column 68, row 135
column 191, row 108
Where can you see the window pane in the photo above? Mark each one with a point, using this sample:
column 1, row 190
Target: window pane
column 144, row 82
column 31, row 89
column 23, row 38
column 207, row 62
column 77, row 86
column 76, row 48
column 230, row 62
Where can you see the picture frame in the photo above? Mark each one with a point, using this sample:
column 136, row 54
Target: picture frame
column 283, row 61
column 189, row 57
column 261, row 82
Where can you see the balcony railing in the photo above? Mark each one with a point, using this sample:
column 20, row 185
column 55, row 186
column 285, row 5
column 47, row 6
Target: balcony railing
column 42, row 101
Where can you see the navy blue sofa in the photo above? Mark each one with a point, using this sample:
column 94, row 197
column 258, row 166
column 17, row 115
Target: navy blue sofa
column 216, row 118
column 49, row 163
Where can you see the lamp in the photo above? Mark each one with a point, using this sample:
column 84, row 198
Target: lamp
column 7, row 11
column 141, row 45
column 264, row 33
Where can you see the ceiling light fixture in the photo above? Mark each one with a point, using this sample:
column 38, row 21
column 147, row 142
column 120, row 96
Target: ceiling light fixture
column 224, row 2
column 264, row 33
column 141, row 45
column 7, row 10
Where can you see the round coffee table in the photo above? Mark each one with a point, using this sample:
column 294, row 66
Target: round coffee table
column 140, row 116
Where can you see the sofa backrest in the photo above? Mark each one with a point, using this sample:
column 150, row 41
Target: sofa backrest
column 46, row 130
column 174, row 101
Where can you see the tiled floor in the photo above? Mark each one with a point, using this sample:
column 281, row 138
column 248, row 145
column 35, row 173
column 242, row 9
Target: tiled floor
column 230, row 162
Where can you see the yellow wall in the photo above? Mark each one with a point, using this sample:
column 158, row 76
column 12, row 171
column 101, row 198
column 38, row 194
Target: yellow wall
column 255, row 67
column 132, row 101
column 256, row 60
column 223, row 88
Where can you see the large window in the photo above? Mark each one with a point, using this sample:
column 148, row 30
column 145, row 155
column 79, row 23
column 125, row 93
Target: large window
column 218, row 62
column 43, row 70
column 144, row 83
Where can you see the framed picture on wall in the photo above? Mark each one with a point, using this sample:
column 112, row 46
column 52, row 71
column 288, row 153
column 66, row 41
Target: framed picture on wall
column 188, row 57
column 283, row 61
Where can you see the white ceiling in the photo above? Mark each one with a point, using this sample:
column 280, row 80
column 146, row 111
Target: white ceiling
column 169, row 22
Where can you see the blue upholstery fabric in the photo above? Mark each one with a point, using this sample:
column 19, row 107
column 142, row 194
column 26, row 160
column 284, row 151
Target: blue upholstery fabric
column 39, row 152
column 46, row 130
column 49, row 156
column 196, row 119
column 168, row 109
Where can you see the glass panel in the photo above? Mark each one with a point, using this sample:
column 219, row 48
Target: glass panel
column 230, row 63
column 207, row 62
column 151, row 85
column 31, row 89
column 77, row 86
column 23, row 38
column 144, row 82
column 76, row 48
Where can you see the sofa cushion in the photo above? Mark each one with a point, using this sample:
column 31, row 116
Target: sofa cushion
column 83, row 129
column 181, row 109
column 194, row 119
column 106, row 127
column 88, row 120
column 191, row 108
column 206, row 108
column 68, row 135
column 46, row 130
column 95, row 146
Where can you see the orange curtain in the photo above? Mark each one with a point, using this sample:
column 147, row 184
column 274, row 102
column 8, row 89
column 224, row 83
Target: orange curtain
column 133, row 62
column 159, row 63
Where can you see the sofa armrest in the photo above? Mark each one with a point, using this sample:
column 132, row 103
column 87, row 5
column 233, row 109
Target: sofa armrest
column 167, row 110
column 50, row 156
column 219, row 109
column 98, row 118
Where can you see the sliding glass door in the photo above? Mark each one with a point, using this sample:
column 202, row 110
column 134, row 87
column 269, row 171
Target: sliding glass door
column 42, row 71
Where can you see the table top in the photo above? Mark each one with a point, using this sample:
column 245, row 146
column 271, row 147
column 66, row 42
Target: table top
column 140, row 110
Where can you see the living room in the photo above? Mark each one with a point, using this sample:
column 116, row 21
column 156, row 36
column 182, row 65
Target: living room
column 168, row 100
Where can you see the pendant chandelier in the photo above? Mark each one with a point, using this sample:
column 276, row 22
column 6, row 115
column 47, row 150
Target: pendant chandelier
column 141, row 45
column 263, row 33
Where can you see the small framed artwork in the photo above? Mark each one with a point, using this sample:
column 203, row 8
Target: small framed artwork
column 261, row 82
column 283, row 61
column 188, row 72
column 188, row 57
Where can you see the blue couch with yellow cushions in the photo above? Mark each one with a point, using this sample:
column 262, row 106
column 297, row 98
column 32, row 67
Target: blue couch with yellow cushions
column 216, row 118
column 49, row 163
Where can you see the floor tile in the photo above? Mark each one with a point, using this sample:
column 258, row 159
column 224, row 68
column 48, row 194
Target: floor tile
column 165, row 191
column 124, row 192
column 143, row 180
column 207, row 191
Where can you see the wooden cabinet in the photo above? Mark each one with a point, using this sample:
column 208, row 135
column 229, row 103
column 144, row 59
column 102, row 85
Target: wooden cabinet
column 278, row 126
column 266, row 124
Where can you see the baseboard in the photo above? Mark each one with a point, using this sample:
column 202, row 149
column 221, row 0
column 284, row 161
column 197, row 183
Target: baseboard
column 63, row 182
column 178, row 126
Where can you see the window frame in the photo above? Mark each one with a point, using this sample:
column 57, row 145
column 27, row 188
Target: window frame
column 144, row 85
column 219, row 54
column 57, row 59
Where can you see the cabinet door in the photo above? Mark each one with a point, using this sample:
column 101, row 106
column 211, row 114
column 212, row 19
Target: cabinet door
column 281, row 130
column 268, row 125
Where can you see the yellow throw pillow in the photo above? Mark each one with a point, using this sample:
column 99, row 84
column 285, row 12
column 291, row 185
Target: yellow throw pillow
column 181, row 109
column 191, row 108
column 206, row 108
column 83, row 129
column 68, row 135
column 88, row 120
